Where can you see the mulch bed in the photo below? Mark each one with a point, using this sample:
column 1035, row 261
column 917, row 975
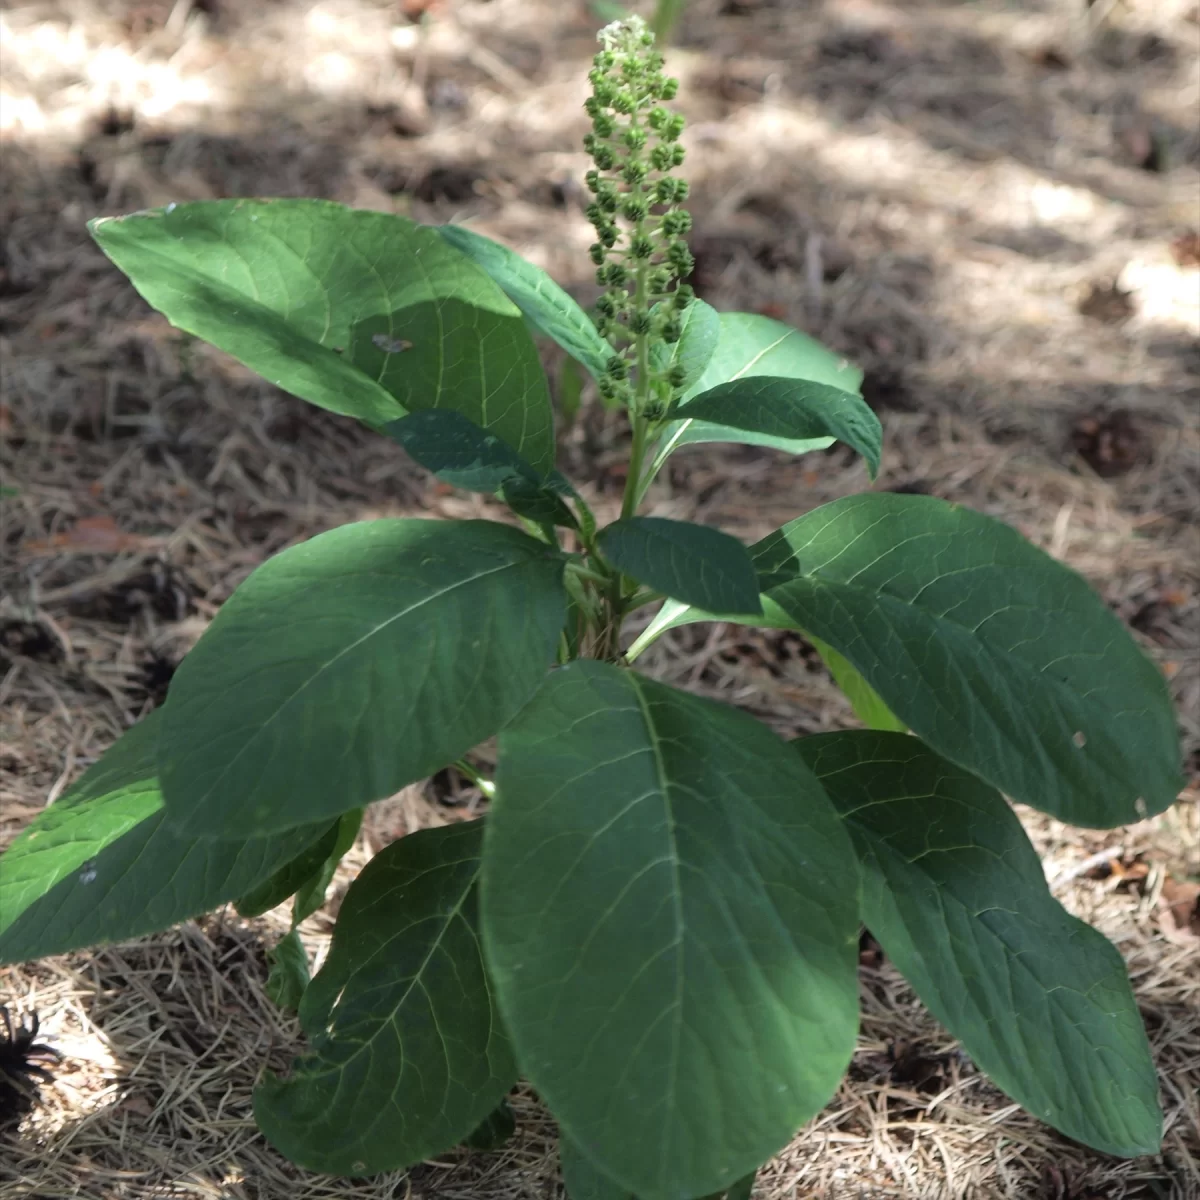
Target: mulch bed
column 990, row 207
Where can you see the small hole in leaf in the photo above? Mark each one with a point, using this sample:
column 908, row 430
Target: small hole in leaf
column 1139, row 806
column 1080, row 739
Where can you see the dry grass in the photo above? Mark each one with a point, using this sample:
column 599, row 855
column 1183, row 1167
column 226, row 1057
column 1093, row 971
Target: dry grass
column 956, row 196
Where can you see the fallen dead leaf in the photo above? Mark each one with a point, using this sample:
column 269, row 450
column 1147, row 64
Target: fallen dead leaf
column 1179, row 910
column 91, row 535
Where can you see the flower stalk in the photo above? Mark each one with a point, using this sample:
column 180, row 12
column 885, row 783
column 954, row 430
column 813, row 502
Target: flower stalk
column 640, row 252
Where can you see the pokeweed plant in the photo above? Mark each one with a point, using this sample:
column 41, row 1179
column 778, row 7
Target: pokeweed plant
column 656, row 921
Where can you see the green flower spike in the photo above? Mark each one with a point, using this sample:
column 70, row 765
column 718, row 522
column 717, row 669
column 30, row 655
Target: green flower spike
column 640, row 252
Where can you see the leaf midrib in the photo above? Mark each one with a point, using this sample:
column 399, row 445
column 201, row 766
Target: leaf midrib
column 677, row 892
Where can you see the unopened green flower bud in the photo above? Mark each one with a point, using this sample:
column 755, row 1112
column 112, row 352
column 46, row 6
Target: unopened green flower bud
column 641, row 247
column 660, row 279
column 684, row 295
column 633, row 172
column 640, row 322
column 634, row 138
column 602, row 155
column 606, row 306
column 672, row 331
column 617, row 368
column 678, row 154
column 592, row 179
column 673, row 127
column 677, row 222
column 635, row 209
column 608, row 236
column 657, row 117
column 608, row 199
column 654, row 410
column 661, row 157
column 604, row 125
column 680, row 259
column 597, row 253
column 605, row 60
column 664, row 190
column 618, row 275
column 677, row 375
column 669, row 89
column 623, row 102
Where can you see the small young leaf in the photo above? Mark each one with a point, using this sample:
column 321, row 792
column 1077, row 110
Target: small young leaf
column 751, row 345
column 583, row 1179
column 700, row 328
column 1001, row 659
column 353, row 664
column 290, row 878
column 462, row 454
column 688, row 562
column 864, row 699
column 787, row 414
column 955, row 894
column 100, row 865
column 288, row 979
column 569, row 392
column 494, row 1130
column 407, row 1056
column 311, row 895
column 743, row 1189
column 546, row 306
column 670, row 916
column 362, row 313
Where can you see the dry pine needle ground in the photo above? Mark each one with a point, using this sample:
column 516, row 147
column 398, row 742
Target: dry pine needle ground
column 994, row 208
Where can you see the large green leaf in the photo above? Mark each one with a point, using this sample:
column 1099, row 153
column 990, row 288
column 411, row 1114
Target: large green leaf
column 546, row 306
column 352, row 665
column 1002, row 659
column 670, row 916
column 693, row 563
column 583, row 1179
column 406, row 1052
column 785, row 414
column 99, row 865
column 700, row 328
column 463, row 454
column 750, row 345
column 362, row 313
column 957, row 898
